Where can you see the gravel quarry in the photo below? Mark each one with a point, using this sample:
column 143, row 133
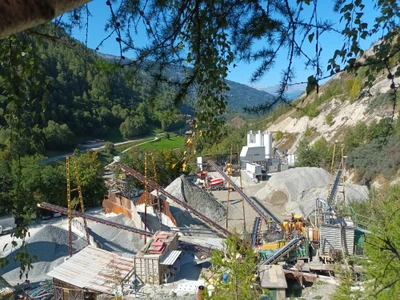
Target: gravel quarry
column 50, row 245
column 291, row 191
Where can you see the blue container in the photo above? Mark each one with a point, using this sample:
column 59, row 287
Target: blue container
column 225, row 278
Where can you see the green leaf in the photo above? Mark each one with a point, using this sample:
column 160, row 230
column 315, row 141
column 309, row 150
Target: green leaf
column 311, row 37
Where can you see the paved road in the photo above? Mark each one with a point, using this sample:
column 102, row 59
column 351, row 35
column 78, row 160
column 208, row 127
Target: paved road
column 97, row 147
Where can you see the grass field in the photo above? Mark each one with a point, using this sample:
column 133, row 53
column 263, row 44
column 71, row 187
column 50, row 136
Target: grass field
column 107, row 158
column 127, row 145
column 165, row 144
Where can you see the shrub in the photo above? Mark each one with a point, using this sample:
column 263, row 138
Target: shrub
column 380, row 101
column 374, row 158
column 308, row 132
column 333, row 89
column 109, row 148
column 329, row 119
column 352, row 88
column 278, row 135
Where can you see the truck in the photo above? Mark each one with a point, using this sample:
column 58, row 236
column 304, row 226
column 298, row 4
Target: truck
column 7, row 224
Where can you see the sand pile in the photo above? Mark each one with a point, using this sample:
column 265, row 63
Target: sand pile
column 50, row 245
column 197, row 198
column 115, row 239
column 296, row 190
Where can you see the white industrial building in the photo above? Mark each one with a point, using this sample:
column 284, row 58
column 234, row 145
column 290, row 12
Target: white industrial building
column 259, row 147
column 258, row 156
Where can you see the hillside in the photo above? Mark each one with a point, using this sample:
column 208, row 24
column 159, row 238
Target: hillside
column 239, row 96
column 364, row 121
column 345, row 112
column 76, row 94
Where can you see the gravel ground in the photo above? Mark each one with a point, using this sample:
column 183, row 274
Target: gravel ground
column 322, row 290
column 50, row 245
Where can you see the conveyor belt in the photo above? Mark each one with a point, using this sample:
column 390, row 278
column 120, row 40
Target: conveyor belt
column 252, row 203
column 335, row 186
column 255, row 233
column 76, row 213
column 278, row 254
column 155, row 186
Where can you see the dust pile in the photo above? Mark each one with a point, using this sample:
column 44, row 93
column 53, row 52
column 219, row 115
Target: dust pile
column 50, row 245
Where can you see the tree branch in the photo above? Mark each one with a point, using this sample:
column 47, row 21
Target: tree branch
column 20, row 15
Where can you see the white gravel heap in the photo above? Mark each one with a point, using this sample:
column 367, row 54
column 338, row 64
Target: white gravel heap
column 115, row 239
column 50, row 245
column 302, row 186
column 197, row 198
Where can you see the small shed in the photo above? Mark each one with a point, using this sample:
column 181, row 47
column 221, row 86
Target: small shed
column 158, row 261
column 273, row 278
column 90, row 272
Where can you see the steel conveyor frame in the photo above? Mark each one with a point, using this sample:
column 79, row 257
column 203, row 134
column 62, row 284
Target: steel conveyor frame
column 158, row 188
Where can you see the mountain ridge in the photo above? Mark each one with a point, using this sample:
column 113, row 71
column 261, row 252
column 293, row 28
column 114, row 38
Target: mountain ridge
column 238, row 93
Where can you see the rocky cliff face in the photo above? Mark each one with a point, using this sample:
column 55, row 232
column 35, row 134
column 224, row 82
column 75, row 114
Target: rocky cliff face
column 335, row 115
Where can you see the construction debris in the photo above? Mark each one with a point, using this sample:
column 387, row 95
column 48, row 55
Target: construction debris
column 43, row 292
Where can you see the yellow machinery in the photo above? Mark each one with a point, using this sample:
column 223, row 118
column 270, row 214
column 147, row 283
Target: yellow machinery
column 274, row 245
column 295, row 224
column 228, row 168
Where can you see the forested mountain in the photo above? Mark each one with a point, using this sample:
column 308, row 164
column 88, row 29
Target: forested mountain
column 239, row 96
column 79, row 94
column 82, row 94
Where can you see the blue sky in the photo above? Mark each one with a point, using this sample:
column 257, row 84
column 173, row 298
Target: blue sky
column 242, row 73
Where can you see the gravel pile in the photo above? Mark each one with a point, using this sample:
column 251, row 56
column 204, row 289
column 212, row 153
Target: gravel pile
column 296, row 190
column 197, row 198
column 50, row 245
column 114, row 239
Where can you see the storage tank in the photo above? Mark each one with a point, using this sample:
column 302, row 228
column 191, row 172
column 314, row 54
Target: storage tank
column 250, row 138
column 258, row 138
column 268, row 144
column 200, row 163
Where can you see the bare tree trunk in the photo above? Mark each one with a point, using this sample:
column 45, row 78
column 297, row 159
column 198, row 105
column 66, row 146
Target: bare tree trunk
column 19, row 15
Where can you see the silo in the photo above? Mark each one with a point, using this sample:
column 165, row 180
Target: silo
column 258, row 138
column 250, row 138
column 268, row 144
